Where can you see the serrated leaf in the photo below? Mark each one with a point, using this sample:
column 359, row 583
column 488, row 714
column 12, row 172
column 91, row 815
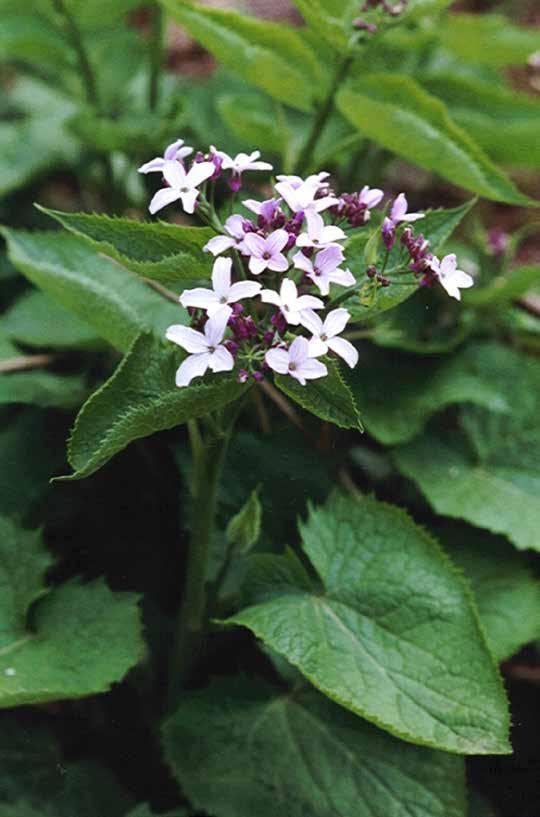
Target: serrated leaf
column 488, row 39
column 437, row 226
column 83, row 638
column 244, row 528
column 139, row 399
column 160, row 251
column 400, row 115
column 470, row 376
column 107, row 297
column 37, row 320
column 391, row 633
column 272, row 56
column 238, row 748
column 328, row 397
column 506, row 591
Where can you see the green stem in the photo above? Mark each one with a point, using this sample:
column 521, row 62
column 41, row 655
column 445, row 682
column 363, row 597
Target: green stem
column 156, row 56
column 322, row 117
column 74, row 36
column 208, row 458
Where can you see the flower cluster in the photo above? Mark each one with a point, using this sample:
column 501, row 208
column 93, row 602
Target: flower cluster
column 280, row 270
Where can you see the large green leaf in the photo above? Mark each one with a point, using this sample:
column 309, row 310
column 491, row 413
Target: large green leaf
column 400, row 115
column 31, row 38
column 501, row 120
column 254, row 121
column 240, row 749
column 139, row 399
column 165, row 252
column 506, row 591
column 470, row 376
column 505, row 287
column 388, row 630
column 489, row 39
column 269, row 55
column 83, row 637
column 37, row 320
column 42, row 388
column 107, row 297
column 329, row 397
column 437, row 226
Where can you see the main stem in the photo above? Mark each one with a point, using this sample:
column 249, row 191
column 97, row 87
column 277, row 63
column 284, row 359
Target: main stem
column 208, row 458
column 156, row 56
column 74, row 36
column 321, row 118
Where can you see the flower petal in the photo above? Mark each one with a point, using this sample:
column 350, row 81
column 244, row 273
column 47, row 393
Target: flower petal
column 188, row 200
column 448, row 264
column 345, row 350
column 302, row 262
column 221, row 360
column 288, row 292
column 174, row 174
column 343, row 277
column 235, row 226
column 257, row 265
column 278, row 360
column 399, row 208
column 221, row 276
column 308, row 302
column 172, row 149
column 317, row 347
column 199, row 297
column 219, row 244
column 278, row 263
column 255, row 244
column 276, row 241
column 193, row 366
column 328, row 259
column 299, row 350
column 311, row 321
column 331, row 233
column 311, row 369
column 214, row 328
column 190, row 340
column 200, row 172
column 336, row 321
column 243, row 289
column 270, row 296
column 162, row 198
column 153, row 166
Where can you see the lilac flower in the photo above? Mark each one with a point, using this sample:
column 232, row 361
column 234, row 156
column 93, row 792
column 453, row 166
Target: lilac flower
column 239, row 164
column 318, row 235
column 289, row 302
column 223, row 292
column 266, row 253
column 205, row 350
column 399, row 213
column 324, row 270
column 173, row 153
column 451, row 278
column 370, row 196
column 325, row 335
column 296, row 362
column 265, row 209
column 317, row 179
column 234, row 226
column 182, row 185
column 301, row 196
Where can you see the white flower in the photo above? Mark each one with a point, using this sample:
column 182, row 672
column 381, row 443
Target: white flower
column 242, row 161
column 301, row 195
column 234, row 226
column 325, row 335
column 318, row 179
column 290, row 303
column 223, row 292
column 324, row 270
column 173, row 153
column 451, row 278
column 206, row 350
column 296, row 361
column 266, row 253
column 318, row 235
column 399, row 213
column 182, row 185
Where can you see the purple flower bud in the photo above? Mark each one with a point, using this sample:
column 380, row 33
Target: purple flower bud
column 363, row 25
column 237, row 309
column 218, row 161
column 248, row 226
column 279, row 322
column 199, row 157
column 268, row 337
column 261, row 222
column 243, row 375
column 235, row 182
column 232, row 346
column 388, row 233
column 371, row 272
column 498, row 241
column 279, row 220
column 290, row 243
column 258, row 376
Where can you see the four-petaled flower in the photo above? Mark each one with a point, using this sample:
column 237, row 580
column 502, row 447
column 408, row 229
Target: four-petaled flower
column 175, row 152
column 324, row 270
column 325, row 335
column 205, row 350
column 301, row 196
column 266, row 209
column 449, row 276
column 289, row 302
column 296, row 361
column 182, row 186
column 240, row 164
column 223, row 292
column 266, row 253
column 234, row 226
column 318, row 235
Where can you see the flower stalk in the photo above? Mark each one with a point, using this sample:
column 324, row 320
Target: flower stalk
column 156, row 56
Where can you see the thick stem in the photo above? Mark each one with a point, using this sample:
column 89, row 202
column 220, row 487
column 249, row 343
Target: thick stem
column 208, row 458
column 322, row 117
column 156, row 56
column 74, row 36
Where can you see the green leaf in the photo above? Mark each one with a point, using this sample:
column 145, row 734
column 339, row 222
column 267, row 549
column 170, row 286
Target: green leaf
column 162, row 252
column 506, row 591
column 488, row 39
column 139, row 399
column 437, row 226
column 269, row 55
column 242, row 748
column 31, row 38
column 254, row 121
column 42, row 388
column 471, row 376
column 244, row 529
column 331, row 21
column 505, row 287
column 398, row 114
column 37, row 320
column 500, row 119
column 143, row 810
column 390, row 633
column 328, row 397
column 100, row 292
column 83, row 638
